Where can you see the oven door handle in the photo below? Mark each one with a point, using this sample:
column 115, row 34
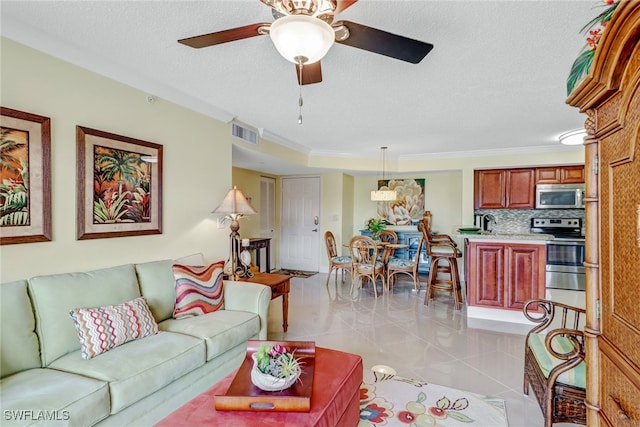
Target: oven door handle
column 564, row 243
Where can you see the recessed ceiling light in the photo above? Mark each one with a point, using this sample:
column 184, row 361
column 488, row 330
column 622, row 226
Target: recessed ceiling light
column 573, row 137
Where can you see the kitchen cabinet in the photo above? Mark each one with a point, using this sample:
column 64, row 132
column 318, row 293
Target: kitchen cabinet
column 560, row 175
column 504, row 189
column 610, row 95
column 505, row 275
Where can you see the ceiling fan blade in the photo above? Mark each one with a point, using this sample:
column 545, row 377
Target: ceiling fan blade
column 342, row 5
column 311, row 73
column 384, row 43
column 225, row 36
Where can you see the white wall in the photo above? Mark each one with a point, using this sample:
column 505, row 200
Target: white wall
column 197, row 165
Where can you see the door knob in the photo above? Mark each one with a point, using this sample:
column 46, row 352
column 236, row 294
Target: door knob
column 315, row 230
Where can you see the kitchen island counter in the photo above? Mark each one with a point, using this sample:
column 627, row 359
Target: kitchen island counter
column 529, row 238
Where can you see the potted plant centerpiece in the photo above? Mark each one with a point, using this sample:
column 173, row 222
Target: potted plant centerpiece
column 274, row 368
column 375, row 226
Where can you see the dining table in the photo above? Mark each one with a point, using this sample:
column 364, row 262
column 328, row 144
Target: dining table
column 387, row 249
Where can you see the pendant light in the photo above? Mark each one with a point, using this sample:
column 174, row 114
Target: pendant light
column 383, row 195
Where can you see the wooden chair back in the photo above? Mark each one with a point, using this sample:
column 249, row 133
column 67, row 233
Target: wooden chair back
column 330, row 243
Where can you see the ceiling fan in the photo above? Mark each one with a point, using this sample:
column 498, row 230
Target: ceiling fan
column 305, row 30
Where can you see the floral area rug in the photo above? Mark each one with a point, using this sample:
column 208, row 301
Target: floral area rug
column 398, row 401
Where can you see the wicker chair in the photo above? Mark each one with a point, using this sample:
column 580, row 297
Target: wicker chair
column 336, row 262
column 364, row 253
column 554, row 364
column 387, row 236
column 409, row 267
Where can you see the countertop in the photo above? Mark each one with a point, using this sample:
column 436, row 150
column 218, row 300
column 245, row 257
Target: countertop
column 532, row 238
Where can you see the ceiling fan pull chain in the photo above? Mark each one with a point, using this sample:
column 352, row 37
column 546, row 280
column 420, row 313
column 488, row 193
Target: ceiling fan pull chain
column 300, row 102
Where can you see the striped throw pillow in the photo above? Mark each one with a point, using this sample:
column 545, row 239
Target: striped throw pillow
column 198, row 289
column 102, row 328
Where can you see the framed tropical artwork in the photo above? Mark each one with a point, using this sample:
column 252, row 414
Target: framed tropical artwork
column 119, row 185
column 25, row 177
column 409, row 204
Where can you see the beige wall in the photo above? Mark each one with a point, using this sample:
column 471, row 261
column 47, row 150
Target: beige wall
column 197, row 165
column 198, row 172
column 249, row 182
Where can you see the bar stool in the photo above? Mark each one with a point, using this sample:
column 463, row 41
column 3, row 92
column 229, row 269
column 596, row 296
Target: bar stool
column 443, row 274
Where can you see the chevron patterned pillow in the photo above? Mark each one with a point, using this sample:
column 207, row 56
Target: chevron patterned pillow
column 199, row 290
column 100, row 329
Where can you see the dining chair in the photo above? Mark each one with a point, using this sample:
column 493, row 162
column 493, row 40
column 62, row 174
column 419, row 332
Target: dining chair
column 386, row 237
column 336, row 262
column 444, row 262
column 365, row 265
column 406, row 266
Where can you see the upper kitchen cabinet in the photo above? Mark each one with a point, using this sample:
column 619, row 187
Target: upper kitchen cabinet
column 560, row 175
column 504, row 189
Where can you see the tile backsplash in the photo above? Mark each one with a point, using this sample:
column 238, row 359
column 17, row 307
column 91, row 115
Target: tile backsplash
column 518, row 221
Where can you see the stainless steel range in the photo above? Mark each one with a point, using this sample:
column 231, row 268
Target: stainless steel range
column 565, row 253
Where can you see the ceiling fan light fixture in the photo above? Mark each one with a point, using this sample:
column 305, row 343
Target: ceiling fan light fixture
column 302, row 36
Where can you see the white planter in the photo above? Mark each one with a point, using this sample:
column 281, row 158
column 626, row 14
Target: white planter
column 267, row 382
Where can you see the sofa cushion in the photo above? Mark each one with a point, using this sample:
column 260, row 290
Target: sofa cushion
column 19, row 347
column 576, row 377
column 198, row 289
column 55, row 295
column 71, row 399
column 139, row 368
column 158, row 286
column 221, row 330
column 102, row 328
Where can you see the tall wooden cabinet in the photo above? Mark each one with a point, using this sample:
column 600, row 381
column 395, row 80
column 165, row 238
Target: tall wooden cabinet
column 610, row 96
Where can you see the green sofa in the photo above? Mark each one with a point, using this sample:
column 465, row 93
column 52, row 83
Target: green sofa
column 44, row 380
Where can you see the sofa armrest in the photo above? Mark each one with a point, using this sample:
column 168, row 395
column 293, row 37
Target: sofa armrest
column 251, row 297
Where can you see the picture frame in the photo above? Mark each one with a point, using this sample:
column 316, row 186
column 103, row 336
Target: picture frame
column 119, row 185
column 25, row 177
column 408, row 208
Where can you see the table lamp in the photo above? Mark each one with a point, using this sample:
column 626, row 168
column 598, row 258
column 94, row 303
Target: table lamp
column 234, row 205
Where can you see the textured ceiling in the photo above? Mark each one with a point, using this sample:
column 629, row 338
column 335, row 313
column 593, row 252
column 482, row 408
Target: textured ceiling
column 495, row 79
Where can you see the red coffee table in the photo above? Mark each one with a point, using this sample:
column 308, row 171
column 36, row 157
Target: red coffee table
column 335, row 400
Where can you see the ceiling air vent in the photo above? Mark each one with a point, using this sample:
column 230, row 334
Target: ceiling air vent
column 244, row 133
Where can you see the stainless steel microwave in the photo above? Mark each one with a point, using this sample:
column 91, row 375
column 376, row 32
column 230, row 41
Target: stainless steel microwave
column 560, row 196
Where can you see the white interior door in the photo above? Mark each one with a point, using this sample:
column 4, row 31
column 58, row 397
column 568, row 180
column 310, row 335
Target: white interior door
column 267, row 214
column 300, row 223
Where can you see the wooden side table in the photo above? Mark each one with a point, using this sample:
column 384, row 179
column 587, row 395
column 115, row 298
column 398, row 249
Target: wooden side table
column 279, row 284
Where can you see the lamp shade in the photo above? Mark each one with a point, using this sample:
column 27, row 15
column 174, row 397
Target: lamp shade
column 384, row 195
column 302, row 36
column 235, row 202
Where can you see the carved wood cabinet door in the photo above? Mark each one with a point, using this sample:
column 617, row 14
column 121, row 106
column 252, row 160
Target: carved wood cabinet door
column 611, row 98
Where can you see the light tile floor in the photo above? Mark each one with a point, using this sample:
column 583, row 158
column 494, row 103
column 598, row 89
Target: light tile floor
column 432, row 343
